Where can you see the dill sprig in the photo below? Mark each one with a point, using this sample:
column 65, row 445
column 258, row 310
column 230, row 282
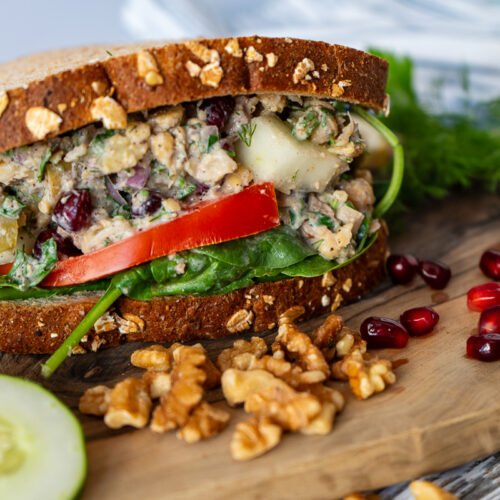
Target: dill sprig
column 443, row 152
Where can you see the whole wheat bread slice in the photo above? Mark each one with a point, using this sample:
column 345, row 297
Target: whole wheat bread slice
column 41, row 325
column 67, row 81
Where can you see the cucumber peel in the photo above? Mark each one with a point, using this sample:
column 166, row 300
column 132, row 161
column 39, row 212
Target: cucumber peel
column 42, row 446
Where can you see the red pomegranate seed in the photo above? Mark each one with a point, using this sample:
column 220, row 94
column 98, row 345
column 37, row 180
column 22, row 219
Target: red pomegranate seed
column 435, row 274
column 402, row 268
column 419, row 320
column 484, row 347
column 489, row 321
column 482, row 297
column 381, row 333
column 490, row 264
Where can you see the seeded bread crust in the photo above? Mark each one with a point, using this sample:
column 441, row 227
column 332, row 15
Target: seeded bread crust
column 40, row 326
column 67, row 82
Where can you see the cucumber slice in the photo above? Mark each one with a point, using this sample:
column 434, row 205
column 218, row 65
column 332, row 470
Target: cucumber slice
column 42, row 447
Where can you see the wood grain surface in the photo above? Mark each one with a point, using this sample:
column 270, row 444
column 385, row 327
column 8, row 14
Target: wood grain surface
column 443, row 410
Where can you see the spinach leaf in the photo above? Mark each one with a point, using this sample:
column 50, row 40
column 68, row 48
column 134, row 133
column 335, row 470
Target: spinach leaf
column 27, row 271
column 316, row 265
column 43, row 164
column 11, row 207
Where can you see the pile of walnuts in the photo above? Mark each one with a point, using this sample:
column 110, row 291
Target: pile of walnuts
column 284, row 388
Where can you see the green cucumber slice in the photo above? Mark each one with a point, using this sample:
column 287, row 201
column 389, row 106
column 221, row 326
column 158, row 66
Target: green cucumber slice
column 42, row 447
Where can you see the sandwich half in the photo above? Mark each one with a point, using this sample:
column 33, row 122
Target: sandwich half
column 189, row 190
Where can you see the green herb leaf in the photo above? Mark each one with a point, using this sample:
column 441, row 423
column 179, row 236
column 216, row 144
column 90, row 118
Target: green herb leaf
column 246, row 133
column 212, row 139
column 97, row 143
column 11, row 207
column 27, row 271
column 306, row 125
column 183, row 187
column 43, row 164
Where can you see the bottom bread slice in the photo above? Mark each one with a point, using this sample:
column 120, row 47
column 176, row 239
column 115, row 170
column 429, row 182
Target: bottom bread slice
column 39, row 326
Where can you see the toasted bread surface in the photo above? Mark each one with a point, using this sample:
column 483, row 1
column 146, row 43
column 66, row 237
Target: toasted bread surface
column 67, row 82
column 41, row 325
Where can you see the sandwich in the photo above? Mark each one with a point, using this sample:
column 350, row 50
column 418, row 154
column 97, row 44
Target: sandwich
column 185, row 191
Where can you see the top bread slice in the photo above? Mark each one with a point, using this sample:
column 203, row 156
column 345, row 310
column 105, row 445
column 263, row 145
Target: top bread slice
column 68, row 82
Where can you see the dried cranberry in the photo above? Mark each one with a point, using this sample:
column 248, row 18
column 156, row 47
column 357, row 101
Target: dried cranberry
column 482, row 297
column 435, row 274
column 402, row 268
column 218, row 110
column 490, row 264
column 489, row 321
column 381, row 333
column 74, row 210
column 148, row 204
column 484, row 347
column 65, row 246
column 419, row 320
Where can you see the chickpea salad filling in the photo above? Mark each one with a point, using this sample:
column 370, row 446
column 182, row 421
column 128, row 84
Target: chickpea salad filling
column 94, row 187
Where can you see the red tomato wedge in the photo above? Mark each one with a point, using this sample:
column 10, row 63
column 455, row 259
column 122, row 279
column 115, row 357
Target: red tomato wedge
column 248, row 212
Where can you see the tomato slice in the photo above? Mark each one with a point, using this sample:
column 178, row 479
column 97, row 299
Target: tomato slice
column 248, row 212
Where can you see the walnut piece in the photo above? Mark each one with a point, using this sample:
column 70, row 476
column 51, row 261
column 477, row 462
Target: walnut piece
column 425, row 490
column 106, row 323
column 193, row 69
column 42, row 121
column 272, row 59
column 254, row 437
column 147, row 68
column 302, row 70
column 238, row 385
column 233, row 48
column 202, row 52
column 332, row 402
column 159, row 383
column 95, row 401
column 110, row 112
column 129, row 404
column 367, row 376
column 252, row 55
column 290, row 409
column 204, row 422
column 256, row 346
column 325, row 335
column 186, row 392
column 211, row 74
column 240, row 321
column 4, row 102
column 155, row 357
column 349, row 340
column 298, row 344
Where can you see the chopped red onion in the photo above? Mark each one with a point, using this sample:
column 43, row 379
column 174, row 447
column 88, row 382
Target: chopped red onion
column 140, row 177
column 115, row 194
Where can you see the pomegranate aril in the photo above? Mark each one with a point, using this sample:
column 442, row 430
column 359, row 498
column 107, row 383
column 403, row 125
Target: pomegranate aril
column 484, row 347
column 381, row 333
column 65, row 246
column 73, row 211
column 218, row 110
column 435, row 274
column 482, row 297
column 490, row 264
column 419, row 320
column 402, row 268
column 489, row 321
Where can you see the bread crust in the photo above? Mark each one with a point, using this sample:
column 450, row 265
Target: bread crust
column 67, row 82
column 40, row 326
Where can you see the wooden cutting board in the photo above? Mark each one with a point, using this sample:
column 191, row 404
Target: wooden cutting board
column 443, row 410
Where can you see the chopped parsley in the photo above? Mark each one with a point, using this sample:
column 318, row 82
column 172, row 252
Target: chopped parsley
column 213, row 139
column 11, row 207
column 43, row 164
